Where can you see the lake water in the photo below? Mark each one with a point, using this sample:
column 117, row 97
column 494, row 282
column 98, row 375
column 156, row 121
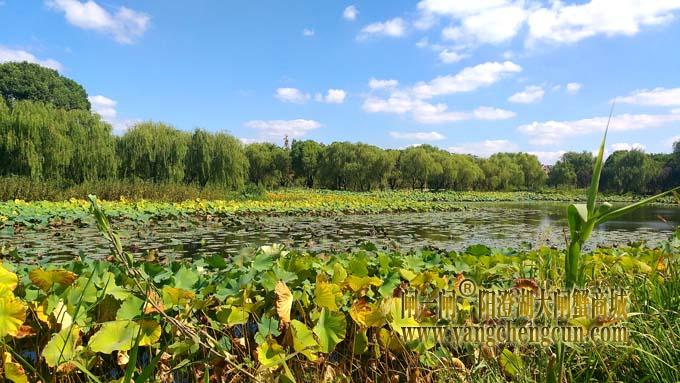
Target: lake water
column 492, row 224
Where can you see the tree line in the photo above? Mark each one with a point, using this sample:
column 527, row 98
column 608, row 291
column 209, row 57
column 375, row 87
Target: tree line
column 47, row 132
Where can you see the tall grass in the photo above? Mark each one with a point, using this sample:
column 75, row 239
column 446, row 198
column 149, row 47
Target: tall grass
column 28, row 189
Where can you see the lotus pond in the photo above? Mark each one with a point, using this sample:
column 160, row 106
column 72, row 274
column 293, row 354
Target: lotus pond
column 274, row 315
column 497, row 224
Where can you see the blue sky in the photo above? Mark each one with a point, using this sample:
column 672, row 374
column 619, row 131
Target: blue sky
column 477, row 77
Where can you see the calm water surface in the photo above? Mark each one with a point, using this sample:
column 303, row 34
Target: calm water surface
column 493, row 224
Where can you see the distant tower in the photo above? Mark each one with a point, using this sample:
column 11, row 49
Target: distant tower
column 286, row 144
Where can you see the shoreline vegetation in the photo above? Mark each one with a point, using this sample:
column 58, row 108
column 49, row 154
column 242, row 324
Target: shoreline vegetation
column 295, row 202
column 26, row 189
column 274, row 314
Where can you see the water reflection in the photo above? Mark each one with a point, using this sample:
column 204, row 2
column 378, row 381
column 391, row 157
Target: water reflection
column 494, row 224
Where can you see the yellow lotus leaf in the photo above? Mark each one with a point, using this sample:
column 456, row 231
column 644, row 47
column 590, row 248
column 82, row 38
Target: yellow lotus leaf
column 12, row 315
column 45, row 279
column 284, row 301
column 13, row 370
column 150, row 332
column 359, row 311
column 327, row 295
column 175, row 296
column 360, row 283
column 8, row 279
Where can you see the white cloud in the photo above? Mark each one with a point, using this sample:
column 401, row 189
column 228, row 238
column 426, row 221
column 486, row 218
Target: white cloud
column 449, row 56
column 296, row 96
column 248, row 141
column 103, row 106
column 418, row 136
column 552, row 132
column 335, row 96
column 570, row 23
column 529, row 95
column 652, row 97
column 672, row 141
column 484, row 148
column 308, row 32
column 467, row 80
column 626, row 146
column 410, row 100
column 17, row 55
column 125, row 25
column 392, row 28
column 106, row 108
column 400, row 102
column 492, row 25
column 675, row 111
column 489, row 113
column 350, row 13
column 485, row 21
column 574, row 87
column 293, row 95
column 499, row 21
column 277, row 129
column 374, row 83
column 548, row 158
column 458, row 8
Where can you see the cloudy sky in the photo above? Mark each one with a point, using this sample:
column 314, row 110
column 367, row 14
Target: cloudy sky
column 474, row 77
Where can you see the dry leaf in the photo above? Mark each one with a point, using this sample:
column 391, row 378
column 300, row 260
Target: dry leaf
column 284, row 302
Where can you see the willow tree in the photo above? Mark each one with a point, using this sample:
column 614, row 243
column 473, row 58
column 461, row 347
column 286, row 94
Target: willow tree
column 200, row 158
column 416, row 165
column 94, row 148
column 229, row 165
column 34, row 140
column 153, row 152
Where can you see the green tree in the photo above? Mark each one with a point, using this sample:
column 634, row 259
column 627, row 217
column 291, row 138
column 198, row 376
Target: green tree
column 416, row 165
column 199, row 157
column 393, row 176
column 94, row 148
column 534, row 175
column 369, row 167
column 336, row 165
column 27, row 81
column 562, row 174
column 444, row 173
column 153, row 152
column 628, row 171
column 582, row 164
column 305, row 159
column 229, row 166
column 269, row 164
column 501, row 172
column 40, row 141
column 469, row 173
column 672, row 167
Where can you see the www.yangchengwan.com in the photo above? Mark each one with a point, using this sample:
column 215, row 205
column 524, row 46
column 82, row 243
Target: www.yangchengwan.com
column 509, row 333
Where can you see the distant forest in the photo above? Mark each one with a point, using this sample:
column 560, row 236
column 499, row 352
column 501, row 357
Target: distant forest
column 47, row 132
